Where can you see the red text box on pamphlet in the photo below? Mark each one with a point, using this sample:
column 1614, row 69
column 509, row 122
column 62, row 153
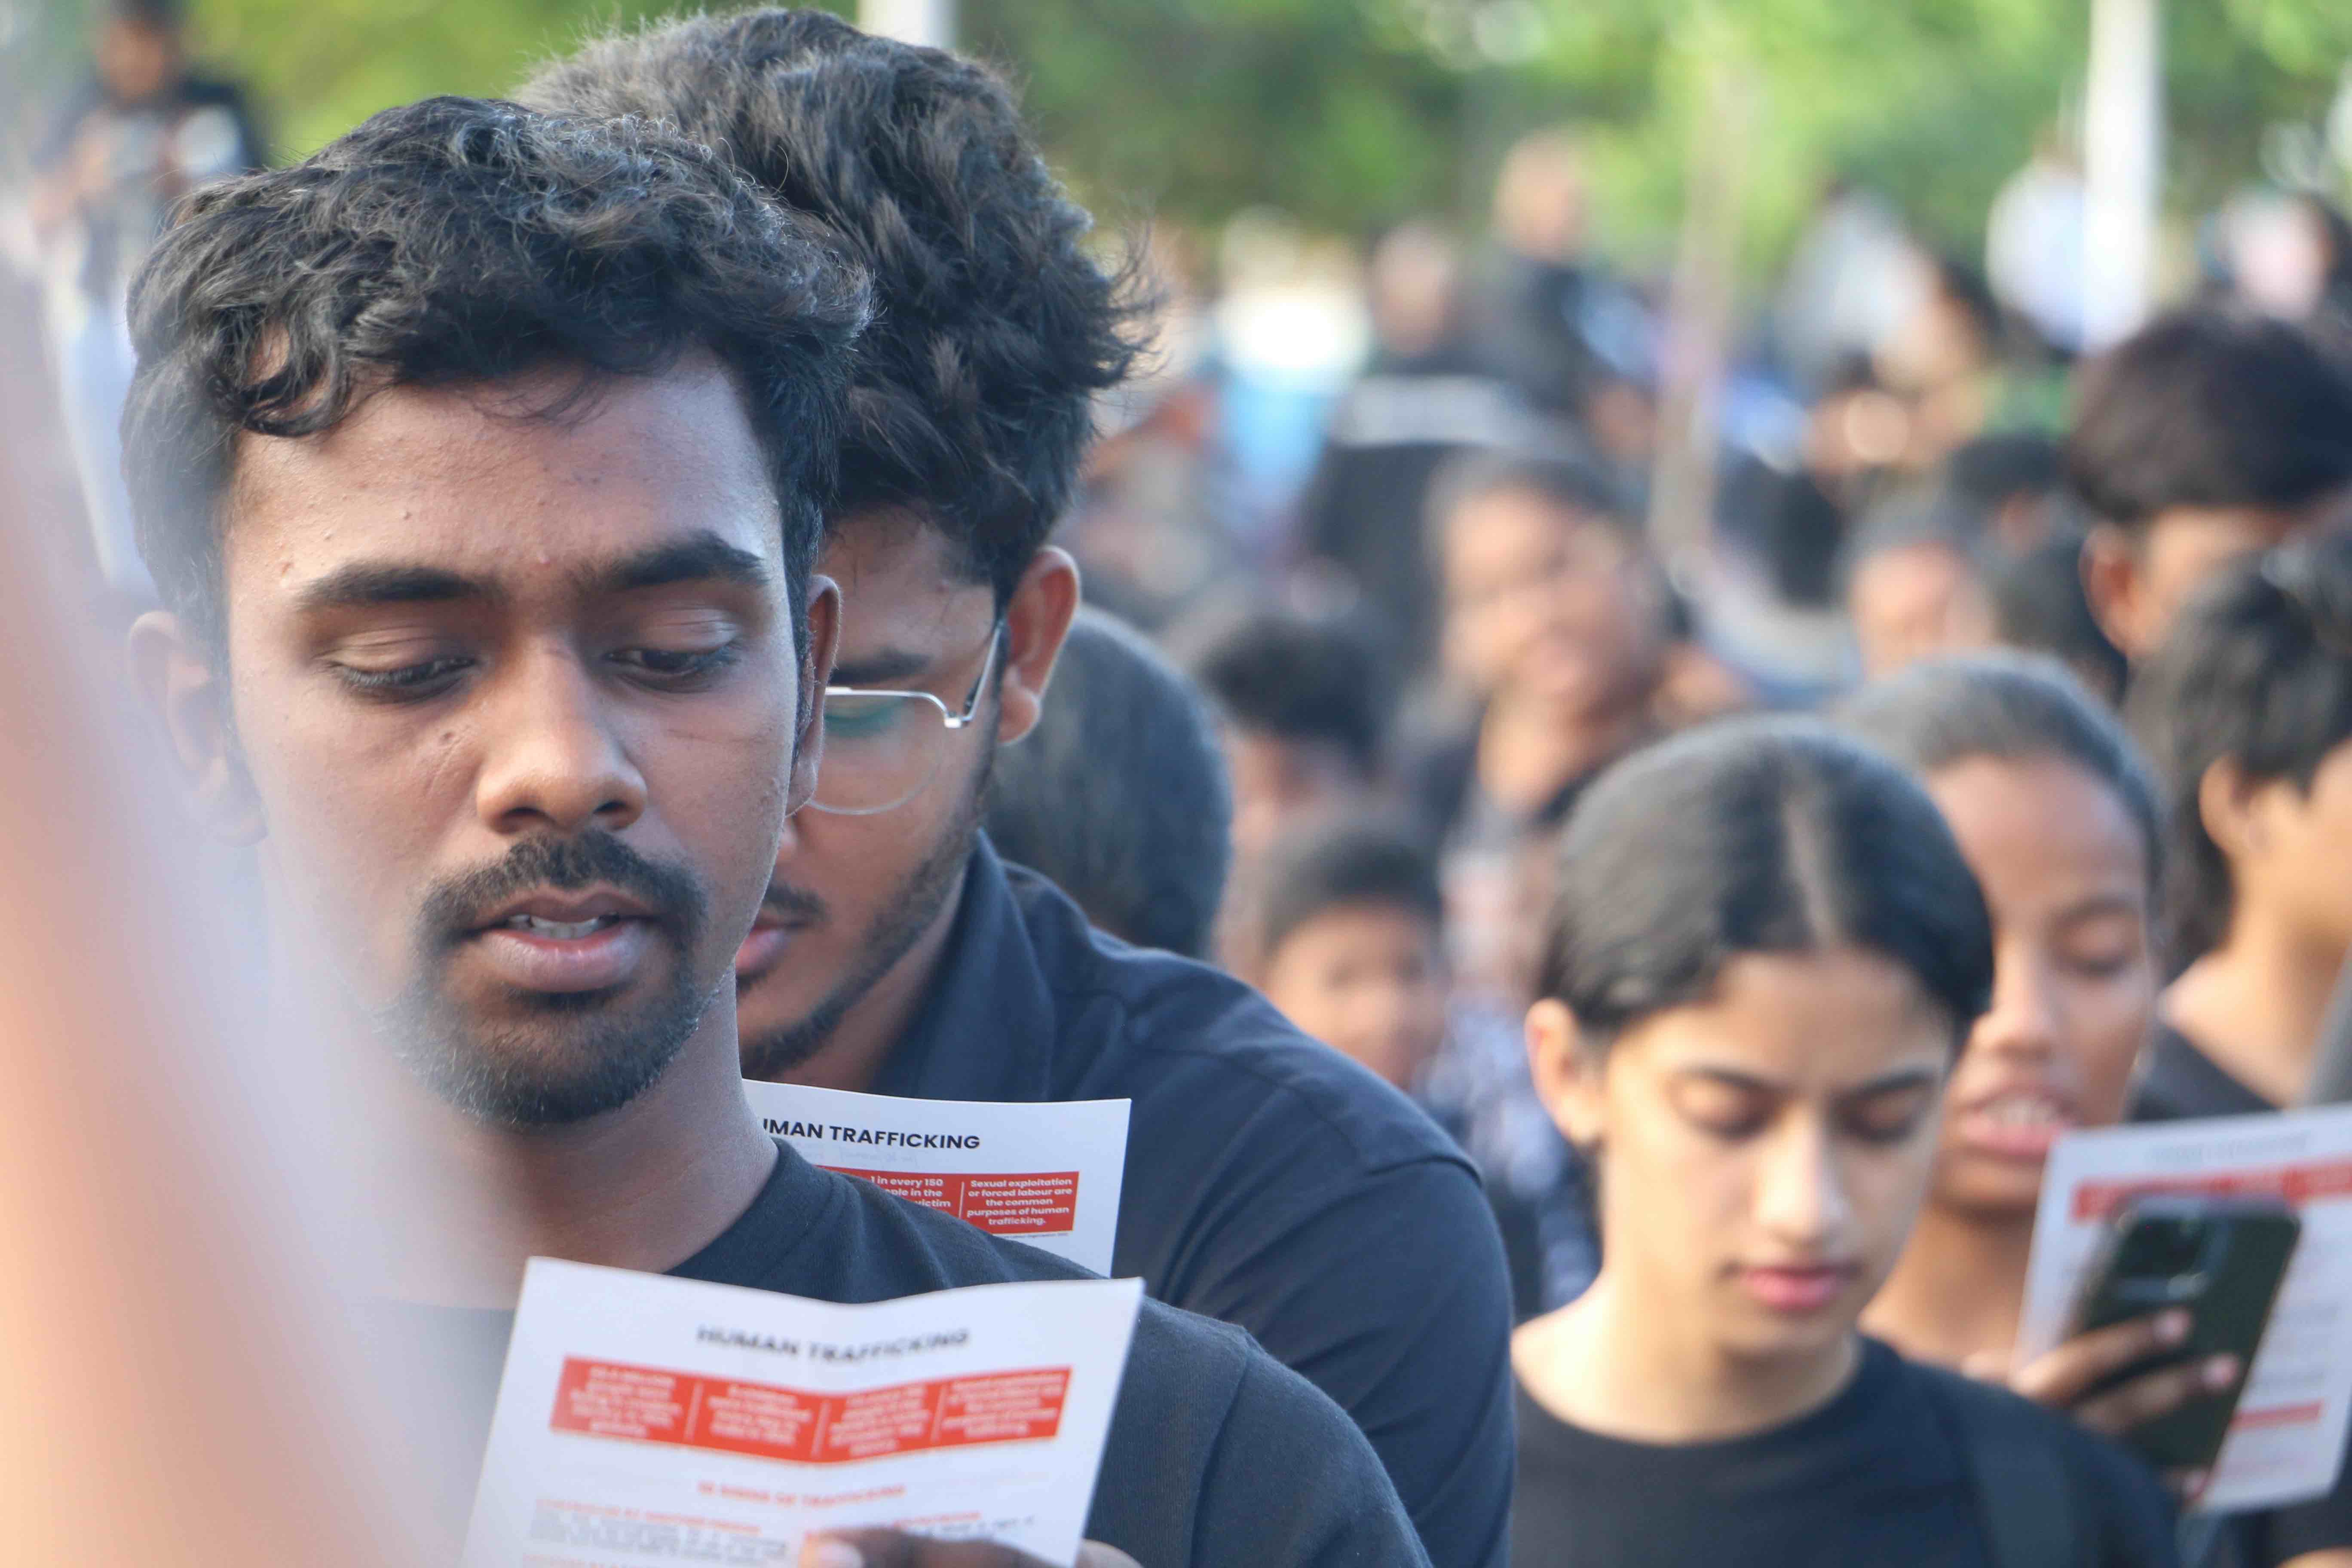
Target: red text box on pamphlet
column 645, row 1405
column 1048, row 1174
column 2287, row 1440
column 644, row 1421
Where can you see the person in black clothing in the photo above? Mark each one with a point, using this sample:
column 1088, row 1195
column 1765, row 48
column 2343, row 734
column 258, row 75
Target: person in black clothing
column 1764, row 954
column 1424, row 398
column 1120, row 797
column 482, row 459
column 2246, row 711
column 2208, row 435
column 2057, row 816
column 1557, row 620
column 1270, row 1183
column 2247, row 714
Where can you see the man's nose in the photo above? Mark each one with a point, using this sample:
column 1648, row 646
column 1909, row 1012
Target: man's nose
column 1801, row 1197
column 551, row 755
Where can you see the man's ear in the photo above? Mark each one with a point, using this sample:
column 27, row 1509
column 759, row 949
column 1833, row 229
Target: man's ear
column 2117, row 587
column 1036, row 623
column 177, row 676
column 817, row 672
column 1568, row 1075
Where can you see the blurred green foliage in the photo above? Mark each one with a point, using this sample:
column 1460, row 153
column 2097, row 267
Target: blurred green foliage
column 1351, row 112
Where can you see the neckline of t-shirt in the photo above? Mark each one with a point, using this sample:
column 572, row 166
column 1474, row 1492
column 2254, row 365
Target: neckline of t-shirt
column 793, row 1204
column 1872, row 1376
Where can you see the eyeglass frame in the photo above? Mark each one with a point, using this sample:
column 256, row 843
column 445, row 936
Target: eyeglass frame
column 950, row 721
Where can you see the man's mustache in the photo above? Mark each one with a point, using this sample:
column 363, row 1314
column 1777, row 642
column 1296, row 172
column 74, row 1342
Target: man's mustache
column 792, row 905
column 462, row 904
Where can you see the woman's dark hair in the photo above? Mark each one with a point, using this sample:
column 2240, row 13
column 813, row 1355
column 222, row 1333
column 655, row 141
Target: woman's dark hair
column 972, row 397
column 456, row 241
column 1758, row 835
column 2257, row 671
column 2013, row 708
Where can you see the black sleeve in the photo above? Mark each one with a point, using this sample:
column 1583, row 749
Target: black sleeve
column 1393, row 1298
column 1293, row 1484
column 2136, row 1521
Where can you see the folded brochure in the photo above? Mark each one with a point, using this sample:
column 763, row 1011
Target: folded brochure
column 1047, row 1174
column 649, row 1420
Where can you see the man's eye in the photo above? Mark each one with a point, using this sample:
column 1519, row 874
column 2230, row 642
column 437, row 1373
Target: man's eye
column 677, row 670
column 404, row 682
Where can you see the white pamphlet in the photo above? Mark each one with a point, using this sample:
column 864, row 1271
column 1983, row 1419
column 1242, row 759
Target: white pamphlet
column 2287, row 1441
column 1047, row 1174
column 646, row 1420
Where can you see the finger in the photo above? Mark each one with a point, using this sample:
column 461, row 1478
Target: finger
column 2060, row 1378
column 2187, row 1485
column 2143, row 1399
column 1095, row 1554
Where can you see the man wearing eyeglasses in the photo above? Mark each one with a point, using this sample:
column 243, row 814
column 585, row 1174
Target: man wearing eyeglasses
column 1269, row 1182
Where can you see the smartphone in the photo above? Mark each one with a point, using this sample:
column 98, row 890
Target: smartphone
column 2221, row 1260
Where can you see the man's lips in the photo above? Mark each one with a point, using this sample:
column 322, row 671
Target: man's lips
column 559, row 941
column 780, row 920
column 1798, row 1290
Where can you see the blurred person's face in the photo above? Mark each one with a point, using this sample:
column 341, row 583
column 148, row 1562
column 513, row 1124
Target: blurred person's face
column 856, row 901
column 1279, row 782
column 1369, row 979
column 2065, row 876
column 511, row 703
column 1549, row 607
column 1915, row 603
column 2136, row 584
column 1762, row 1154
column 134, row 59
column 2288, row 848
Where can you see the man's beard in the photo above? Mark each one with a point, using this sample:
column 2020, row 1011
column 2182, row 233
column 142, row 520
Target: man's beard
column 578, row 1054
column 903, row 919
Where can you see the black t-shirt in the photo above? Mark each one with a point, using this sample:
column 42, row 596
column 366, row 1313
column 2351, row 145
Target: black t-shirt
column 1217, row 1456
column 1875, row 1476
column 1271, row 1182
column 2179, row 1082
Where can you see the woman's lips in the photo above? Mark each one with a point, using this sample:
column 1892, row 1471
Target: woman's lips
column 1799, row 1290
column 2019, row 1125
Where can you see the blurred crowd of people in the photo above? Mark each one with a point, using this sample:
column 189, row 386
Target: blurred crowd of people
column 1749, row 917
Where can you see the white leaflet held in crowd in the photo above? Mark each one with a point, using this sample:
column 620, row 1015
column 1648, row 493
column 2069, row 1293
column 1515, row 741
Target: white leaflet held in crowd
column 645, row 1422
column 2287, row 1441
column 1045, row 1175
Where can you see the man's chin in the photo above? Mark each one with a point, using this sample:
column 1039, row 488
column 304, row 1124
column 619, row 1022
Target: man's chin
column 576, row 1058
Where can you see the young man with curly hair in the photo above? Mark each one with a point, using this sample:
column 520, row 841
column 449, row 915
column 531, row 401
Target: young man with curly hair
column 1269, row 1181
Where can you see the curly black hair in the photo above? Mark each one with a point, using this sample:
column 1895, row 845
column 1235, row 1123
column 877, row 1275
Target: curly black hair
column 459, row 240
column 994, row 328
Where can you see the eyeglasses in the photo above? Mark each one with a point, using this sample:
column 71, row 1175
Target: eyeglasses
column 883, row 748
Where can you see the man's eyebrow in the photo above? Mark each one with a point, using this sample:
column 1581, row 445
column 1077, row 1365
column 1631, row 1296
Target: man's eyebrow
column 364, row 583
column 881, row 666
column 703, row 557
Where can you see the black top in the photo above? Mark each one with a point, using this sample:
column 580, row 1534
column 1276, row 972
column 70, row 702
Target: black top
column 1271, row 1182
column 1875, row 1476
column 1217, row 1454
column 2178, row 1082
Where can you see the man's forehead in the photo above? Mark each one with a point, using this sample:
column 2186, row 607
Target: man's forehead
column 494, row 478
column 903, row 582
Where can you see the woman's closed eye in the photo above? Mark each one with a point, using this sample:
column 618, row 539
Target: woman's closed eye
column 1724, row 1109
column 1888, row 1115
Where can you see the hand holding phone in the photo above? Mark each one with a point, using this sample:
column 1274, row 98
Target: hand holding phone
column 2171, row 1316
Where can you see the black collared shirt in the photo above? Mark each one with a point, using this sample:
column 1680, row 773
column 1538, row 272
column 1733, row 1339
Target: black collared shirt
column 1271, row 1182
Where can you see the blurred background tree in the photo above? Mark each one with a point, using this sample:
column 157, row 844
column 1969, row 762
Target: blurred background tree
column 1348, row 113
